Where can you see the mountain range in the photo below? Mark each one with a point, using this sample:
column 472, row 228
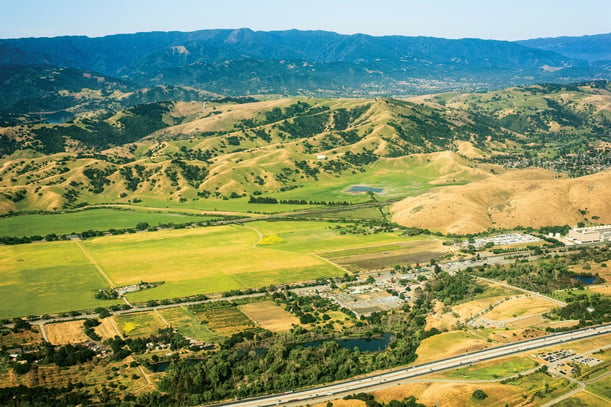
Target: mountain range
column 312, row 63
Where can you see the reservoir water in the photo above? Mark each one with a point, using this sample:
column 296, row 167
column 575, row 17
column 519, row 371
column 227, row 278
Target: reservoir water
column 365, row 188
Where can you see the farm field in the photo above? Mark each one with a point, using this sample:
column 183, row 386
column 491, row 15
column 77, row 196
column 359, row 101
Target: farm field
column 188, row 324
column 63, row 333
column 107, row 328
column 222, row 317
column 93, row 219
column 200, row 260
column 270, row 316
column 139, row 323
column 601, row 388
column 583, row 399
column 50, row 277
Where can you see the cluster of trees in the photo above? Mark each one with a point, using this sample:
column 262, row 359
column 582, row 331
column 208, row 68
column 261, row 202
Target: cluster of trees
column 271, row 200
column 370, row 401
column 589, row 311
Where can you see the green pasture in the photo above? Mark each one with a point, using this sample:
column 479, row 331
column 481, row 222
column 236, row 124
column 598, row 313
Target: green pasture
column 201, row 260
column 601, row 387
column 188, row 324
column 494, row 370
column 41, row 278
column 139, row 323
column 308, row 237
column 399, row 177
column 219, row 205
column 94, row 219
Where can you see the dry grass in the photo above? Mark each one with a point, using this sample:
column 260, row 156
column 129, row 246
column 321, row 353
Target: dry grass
column 63, row 333
column 530, row 197
column 106, row 329
column 519, row 307
column 449, row 344
column 452, row 394
column 269, row 316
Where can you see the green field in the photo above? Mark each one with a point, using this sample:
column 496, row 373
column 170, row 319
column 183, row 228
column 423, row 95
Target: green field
column 41, row 278
column 57, row 277
column 495, row 369
column 139, row 323
column 94, row 219
column 601, row 387
column 188, row 324
column 201, row 260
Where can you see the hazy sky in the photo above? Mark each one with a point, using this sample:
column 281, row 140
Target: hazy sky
column 493, row 19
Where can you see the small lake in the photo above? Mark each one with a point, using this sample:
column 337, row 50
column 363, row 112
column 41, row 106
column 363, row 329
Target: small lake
column 585, row 280
column 365, row 188
column 362, row 344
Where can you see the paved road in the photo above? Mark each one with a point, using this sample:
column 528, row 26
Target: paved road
column 392, row 378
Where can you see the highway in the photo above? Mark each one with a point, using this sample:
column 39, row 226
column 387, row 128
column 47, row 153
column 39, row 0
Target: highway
column 394, row 377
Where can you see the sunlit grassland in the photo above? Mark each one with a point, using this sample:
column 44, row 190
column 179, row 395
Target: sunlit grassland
column 94, row 219
column 139, row 323
column 493, row 370
column 229, row 205
column 188, row 324
column 308, row 237
column 200, row 260
column 49, row 277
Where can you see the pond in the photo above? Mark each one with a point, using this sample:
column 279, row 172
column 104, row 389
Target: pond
column 362, row 344
column 585, row 279
column 365, row 188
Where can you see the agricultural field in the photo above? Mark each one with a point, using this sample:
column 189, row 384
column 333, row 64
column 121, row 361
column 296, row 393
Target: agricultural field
column 139, row 323
column 63, row 333
column 188, row 324
column 22, row 338
column 50, row 277
column 601, row 388
column 584, row 399
column 222, row 317
column 93, row 219
column 94, row 376
column 270, row 316
column 200, row 260
column 107, row 328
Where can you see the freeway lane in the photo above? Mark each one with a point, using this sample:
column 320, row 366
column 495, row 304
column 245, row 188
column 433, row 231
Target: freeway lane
column 336, row 390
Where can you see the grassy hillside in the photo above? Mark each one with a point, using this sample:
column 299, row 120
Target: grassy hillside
column 517, row 198
column 215, row 155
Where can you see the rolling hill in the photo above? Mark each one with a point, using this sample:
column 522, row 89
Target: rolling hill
column 302, row 148
column 532, row 198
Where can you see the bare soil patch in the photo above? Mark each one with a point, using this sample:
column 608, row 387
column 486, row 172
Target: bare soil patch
column 269, row 316
column 63, row 333
column 106, row 329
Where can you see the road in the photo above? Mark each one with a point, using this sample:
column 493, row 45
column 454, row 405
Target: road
column 394, row 377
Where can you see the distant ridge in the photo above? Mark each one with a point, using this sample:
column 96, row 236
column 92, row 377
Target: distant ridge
column 240, row 61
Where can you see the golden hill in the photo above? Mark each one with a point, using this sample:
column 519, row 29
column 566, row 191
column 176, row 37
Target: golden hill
column 531, row 197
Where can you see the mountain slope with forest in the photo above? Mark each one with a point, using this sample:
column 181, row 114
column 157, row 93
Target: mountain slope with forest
column 237, row 62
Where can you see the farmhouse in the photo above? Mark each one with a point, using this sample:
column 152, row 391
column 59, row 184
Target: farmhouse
column 590, row 234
